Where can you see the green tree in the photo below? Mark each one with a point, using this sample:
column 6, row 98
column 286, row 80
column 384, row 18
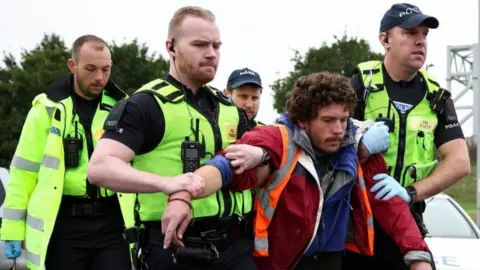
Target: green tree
column 341, row 57
column 21, row 81
column 134, row 65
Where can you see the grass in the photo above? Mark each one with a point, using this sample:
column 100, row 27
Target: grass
column 464, row 192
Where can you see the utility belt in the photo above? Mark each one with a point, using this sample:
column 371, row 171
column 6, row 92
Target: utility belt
column 204, row 239
column 80, row 207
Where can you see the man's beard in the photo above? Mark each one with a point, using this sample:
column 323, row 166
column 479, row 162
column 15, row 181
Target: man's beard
column 186, row 69
column 85, row 89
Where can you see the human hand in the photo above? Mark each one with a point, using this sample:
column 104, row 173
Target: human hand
column 243, row 157
column 176, row 218
column 190, row 182
column 388, row 188
column 12, row 249
column 420, row 265
column 376, row 138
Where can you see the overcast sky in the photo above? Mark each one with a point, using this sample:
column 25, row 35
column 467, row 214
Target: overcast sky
column 256, row 34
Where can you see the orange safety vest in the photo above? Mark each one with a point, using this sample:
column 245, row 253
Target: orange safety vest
column 267, row 197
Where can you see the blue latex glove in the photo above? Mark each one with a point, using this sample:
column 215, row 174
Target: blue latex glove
column 388, row 188
column 12, row 249
column 376, row 138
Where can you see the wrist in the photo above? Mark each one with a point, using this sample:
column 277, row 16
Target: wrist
column 265, row 158
column 183, row 194
column 412, row 194
column 187, row 202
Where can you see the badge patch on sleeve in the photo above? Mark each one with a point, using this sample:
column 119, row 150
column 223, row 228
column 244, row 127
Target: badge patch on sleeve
column 231, row 132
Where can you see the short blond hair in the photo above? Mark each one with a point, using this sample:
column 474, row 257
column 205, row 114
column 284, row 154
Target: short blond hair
column 182, row 13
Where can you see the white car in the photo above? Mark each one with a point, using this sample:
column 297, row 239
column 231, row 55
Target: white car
column 453, row 237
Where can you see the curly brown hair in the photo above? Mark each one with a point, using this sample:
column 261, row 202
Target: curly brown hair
column 316, row 91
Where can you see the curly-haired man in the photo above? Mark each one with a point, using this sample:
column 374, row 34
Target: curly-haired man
column 310, row 184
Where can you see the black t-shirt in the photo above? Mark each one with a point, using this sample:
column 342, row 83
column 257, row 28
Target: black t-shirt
column 142, row 125
column 406, row 95
column 85, row 109
column 83, row 232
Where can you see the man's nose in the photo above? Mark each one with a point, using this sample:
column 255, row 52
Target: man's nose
column 249, row 103
column 212, row 52
column 98, row 76
column 337, row 128
column 421, row 40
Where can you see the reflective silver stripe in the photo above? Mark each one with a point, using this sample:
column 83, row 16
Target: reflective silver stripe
column 51, row 162
column 370, row 222
column 362, row 182
column 50, row 111
column 14, row 214
column 261, row 244
column 34, row 223
column 32, row 257
column 268, row 211
column 25, row 164
column 290, row 155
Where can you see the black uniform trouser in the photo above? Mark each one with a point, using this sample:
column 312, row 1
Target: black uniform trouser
column 237, row 257
column 89, row 243
column 235, row 252
column 61, row 255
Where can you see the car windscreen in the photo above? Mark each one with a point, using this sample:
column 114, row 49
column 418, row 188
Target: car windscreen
column 443, row 219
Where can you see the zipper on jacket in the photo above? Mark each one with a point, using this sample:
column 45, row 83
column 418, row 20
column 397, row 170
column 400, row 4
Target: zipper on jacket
column 317, row 233
column 401, row 147
column 92, row 190
column 217, row 137
column 213, row 124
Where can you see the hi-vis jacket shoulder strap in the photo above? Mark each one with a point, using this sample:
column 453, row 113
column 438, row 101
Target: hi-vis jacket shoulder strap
column 267, row 196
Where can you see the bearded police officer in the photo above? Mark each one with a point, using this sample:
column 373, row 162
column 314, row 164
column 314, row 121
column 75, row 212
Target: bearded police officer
column 421, row 118
column 168, row 127
column 65, row 221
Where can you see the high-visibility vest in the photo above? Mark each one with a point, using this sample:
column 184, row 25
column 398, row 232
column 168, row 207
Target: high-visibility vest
column 268, row 196
column 38, row 175
column 165, row 159
column 412, row 146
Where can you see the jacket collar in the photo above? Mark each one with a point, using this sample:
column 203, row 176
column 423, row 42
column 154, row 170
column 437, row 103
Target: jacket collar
column 344, row 159
column 63, row 87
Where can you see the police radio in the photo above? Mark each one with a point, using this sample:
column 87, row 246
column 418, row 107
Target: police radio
column 192, row 151
column 72, row 147
column 388, row 122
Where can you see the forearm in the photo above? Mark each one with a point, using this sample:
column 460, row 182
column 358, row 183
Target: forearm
column 114, row 174
column 213, row 180
column 447, row 173
column 217, row 173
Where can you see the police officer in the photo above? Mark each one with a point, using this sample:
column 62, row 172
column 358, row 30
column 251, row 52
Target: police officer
column 168, row 127
column 65, row 221
column 244, row 86
column 421, row 118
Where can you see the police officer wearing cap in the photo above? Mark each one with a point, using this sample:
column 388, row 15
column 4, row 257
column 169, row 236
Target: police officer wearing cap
column 244, row 86
column 421, row 119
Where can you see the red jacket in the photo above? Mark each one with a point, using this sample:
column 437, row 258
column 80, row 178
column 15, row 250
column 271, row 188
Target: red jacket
column 291, row 229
